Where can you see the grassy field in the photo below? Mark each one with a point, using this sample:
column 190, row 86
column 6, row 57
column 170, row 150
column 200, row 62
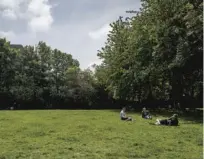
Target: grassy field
column 95, row 134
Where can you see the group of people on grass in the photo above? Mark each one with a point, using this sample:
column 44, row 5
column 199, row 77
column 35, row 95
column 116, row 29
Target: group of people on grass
column 172, row 121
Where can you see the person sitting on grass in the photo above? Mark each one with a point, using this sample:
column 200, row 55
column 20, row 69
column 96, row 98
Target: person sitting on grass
column 172, row 121
column 123, row 115
column 146, row 114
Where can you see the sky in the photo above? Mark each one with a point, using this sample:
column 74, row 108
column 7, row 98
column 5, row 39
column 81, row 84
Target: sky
column 77, row 27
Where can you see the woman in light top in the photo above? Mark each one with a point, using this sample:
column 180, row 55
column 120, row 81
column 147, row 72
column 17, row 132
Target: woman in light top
column 123, row 115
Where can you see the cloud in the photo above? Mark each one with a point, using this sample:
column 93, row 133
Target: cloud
column 8, row 13
column 37, row 13
column 75, row 27
column 11, row 8
column 99, row 33
column 12, row 4
column 91, row 65
column 40, row 24
column 97, row 62
column 41, row 18
column 8, row 34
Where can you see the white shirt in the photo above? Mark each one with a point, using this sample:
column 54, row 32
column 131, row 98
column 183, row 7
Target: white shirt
column 122, row 114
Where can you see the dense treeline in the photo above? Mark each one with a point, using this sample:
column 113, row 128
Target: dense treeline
column 154, row 59
column 40, row 77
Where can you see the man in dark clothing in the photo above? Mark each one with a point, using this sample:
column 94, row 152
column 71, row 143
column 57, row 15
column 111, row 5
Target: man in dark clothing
column 146, row 114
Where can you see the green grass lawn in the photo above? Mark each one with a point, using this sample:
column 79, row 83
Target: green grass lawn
column 94, row 134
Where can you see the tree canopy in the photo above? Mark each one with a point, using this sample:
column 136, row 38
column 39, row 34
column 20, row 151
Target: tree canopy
column 41, row 77
column 157, row 54
column 154, row 56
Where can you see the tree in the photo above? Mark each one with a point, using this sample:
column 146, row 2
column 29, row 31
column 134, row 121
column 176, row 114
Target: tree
column 40, row 77
column 155, row 55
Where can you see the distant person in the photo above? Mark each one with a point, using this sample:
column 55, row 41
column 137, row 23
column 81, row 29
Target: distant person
column 146, row 114
column 123, row 115
column 172, row 121
column 13, row 106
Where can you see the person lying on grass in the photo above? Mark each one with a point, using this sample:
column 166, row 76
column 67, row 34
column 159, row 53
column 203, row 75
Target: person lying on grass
column 172, row 121
column 146, row 114
column 123, row 115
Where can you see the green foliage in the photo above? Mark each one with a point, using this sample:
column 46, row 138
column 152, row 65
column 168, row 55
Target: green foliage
column 157, row 54
column 42, row 77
